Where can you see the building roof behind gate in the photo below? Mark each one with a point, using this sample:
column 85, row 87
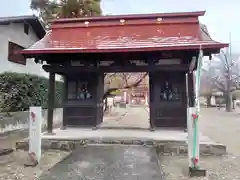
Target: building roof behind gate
column 126, row 33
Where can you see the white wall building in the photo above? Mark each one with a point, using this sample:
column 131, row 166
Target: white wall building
column 17, row 33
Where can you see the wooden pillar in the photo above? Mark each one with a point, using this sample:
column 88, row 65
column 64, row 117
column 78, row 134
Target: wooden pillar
column 64, row 99
column 152, row 105
column 51, row 101
column 191, row 94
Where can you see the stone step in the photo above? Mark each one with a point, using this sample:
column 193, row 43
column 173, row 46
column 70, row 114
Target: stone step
column 162, row 147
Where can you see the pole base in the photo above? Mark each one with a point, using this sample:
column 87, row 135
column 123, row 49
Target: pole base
column 95, row 128
column 63, row 128
column 193, row 172
column 30, row 164
column 49, row 133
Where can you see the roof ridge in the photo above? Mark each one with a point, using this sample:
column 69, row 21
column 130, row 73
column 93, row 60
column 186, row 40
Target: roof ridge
column 131, row 16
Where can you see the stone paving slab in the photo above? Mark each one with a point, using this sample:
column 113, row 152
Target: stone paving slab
column 88, row 133
column 107, row 163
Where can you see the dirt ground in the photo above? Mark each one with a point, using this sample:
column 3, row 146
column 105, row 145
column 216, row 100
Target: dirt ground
column 12, row 165
column 218, row 168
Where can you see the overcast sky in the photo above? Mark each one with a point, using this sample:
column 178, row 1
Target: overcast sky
column 222, row 17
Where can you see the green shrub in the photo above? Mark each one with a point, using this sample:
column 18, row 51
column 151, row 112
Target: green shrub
column 19, row 91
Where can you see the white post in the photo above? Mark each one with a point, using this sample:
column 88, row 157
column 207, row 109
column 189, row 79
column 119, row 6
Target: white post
column 195, row 121
column 146, row 98
column 193, row 132
column 125, row 96
column 129, row 97
column 35, row 130
column 189, row 125
column 190, row 111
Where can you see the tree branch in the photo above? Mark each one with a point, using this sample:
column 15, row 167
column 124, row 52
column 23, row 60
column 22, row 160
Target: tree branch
column 127, row 86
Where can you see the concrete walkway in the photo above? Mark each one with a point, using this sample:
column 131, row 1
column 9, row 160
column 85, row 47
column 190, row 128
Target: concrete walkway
column 123, row 134
column 107, row 163
column 130, row 117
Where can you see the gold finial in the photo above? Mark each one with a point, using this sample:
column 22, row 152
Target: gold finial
column 122, row 21
column 86, row 23
column 159, row 20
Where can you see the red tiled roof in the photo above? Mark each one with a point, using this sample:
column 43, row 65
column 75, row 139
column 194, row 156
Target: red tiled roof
column 172, row 31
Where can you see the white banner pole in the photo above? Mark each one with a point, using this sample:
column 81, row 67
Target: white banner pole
column 189, row 125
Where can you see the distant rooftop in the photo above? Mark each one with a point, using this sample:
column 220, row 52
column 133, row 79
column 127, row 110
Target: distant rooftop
column 31, row 20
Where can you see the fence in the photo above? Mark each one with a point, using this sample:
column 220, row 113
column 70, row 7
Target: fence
column 20, row 120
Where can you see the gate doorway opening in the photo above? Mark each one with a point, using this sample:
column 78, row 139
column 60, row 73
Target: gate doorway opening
column 126, row 105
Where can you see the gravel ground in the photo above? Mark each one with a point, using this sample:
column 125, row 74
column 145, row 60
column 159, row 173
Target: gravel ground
column 218, row 168
column 12, row 165
column 223, row 127
column 220, row 126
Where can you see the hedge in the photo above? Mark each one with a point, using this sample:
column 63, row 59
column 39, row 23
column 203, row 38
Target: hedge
column 18, row 91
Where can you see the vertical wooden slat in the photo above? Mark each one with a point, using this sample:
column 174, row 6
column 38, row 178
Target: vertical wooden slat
column 191, row 90
column 151, row 100
column 64, row 99
column 51, row 101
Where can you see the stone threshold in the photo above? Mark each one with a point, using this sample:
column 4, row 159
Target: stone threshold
column 117, row 127
column 162, row 147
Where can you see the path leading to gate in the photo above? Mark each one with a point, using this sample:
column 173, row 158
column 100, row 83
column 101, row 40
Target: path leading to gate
column 130, row 117
column 107, row 163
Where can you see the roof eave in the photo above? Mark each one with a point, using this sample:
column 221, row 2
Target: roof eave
column 208, row 47
column 32, row 20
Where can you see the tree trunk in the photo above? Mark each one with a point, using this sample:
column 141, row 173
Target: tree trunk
column 228, row 101
column 209, row 101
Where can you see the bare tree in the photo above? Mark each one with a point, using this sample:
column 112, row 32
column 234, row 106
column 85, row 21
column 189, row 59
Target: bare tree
column 222, row 75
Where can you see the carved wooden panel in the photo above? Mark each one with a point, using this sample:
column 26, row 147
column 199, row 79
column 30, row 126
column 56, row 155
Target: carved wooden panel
column 167, row 99
column 83, row 106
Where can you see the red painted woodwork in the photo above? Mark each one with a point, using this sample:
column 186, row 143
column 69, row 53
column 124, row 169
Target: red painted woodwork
column 171, row 31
